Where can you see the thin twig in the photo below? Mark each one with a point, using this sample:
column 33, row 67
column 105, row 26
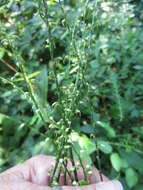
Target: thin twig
column 8, row 65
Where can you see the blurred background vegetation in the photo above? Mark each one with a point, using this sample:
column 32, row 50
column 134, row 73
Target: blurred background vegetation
column 109, row 37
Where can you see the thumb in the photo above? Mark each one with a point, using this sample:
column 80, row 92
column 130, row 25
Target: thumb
column 110, row 185
column 31, row 186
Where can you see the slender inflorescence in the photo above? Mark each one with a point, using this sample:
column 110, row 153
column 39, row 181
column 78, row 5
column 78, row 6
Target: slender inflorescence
column 67, row 118
column 29, row 86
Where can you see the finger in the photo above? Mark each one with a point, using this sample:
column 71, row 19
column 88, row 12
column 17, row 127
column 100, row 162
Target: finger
column 94, row 177
column 97, row 177
column 89, row 187
column 31, row 186
column 21, row 185
column 34, row 170
column 39, row 167
column 110, row 185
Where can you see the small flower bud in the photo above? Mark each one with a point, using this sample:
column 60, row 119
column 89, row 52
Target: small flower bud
column 75, row 183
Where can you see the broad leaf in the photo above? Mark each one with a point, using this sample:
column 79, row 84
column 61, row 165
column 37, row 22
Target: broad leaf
column 116, row 161
column 131, row 177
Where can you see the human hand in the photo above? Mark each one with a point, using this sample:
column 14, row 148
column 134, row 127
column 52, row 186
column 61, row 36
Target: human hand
column 32, row 175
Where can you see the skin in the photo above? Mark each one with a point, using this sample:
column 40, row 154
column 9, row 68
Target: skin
column 32, row 175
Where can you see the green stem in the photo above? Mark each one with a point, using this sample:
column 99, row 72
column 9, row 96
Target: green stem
column 29, row 86
column 98, row 161
column 73, row 163
column 56, row 166
column 65, row 176
column 70, row 176
column 84, row 171
column 45, row 18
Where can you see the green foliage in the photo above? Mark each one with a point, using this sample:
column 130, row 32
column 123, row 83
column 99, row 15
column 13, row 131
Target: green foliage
column 131, row 177
column 87, row 67
column 116, row 161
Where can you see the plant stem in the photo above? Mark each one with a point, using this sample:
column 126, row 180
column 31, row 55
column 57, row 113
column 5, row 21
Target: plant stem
column 84, row 171
column 9, row 66
column 29, row 86
column 65, row 176
column 73, row 163
column 70, row 176
column 45, row 18
column 56, row 166
column 98, row 161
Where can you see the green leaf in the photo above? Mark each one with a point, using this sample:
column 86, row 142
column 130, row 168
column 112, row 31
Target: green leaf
column 7, row 121
column 2, row 161
column 108, row 128
column 88, row 129
column 44, row 147
column 83, row 182
column 83, row 145
column 133, row 159
column 88, row 144
column 52, row 2
column 124, row 163
column 131, row 177
column 104, row 146
column 116, row 161
column 2, row 52
column 10, row 134
column 30, row 76
column 42, row 85
column 41, row 91
column 139, row 187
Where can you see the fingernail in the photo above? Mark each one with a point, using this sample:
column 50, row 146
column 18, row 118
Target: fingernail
column 118, row 184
